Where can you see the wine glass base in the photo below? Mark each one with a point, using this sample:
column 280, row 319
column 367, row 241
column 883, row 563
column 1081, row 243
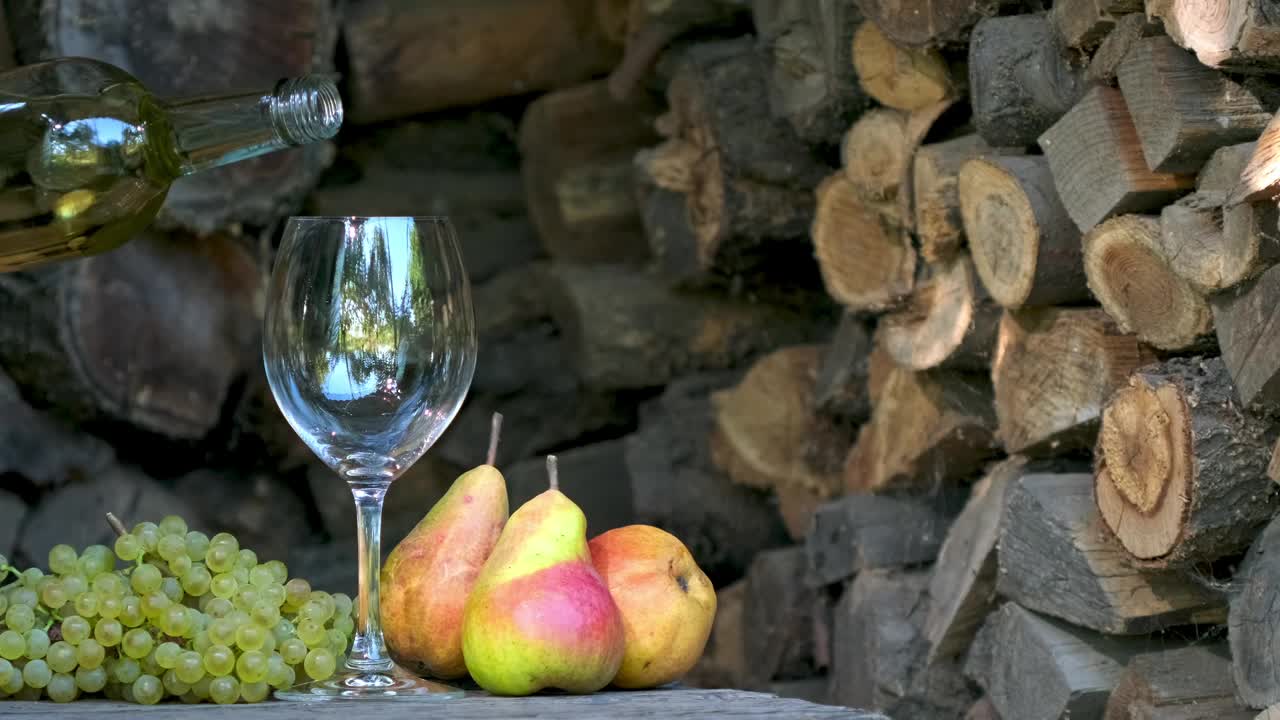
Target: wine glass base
column 347, row 684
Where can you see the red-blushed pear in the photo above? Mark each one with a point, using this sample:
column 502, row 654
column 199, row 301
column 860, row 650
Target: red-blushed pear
column 540, row 616
column 427, row 578
column 667, row 602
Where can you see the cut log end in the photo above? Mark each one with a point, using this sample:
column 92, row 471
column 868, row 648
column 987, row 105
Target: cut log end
column 876, row 154
column 866, row 261
column 944, row 322
column 899, row 77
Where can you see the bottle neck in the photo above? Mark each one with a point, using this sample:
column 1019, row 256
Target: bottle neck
column 215, row 131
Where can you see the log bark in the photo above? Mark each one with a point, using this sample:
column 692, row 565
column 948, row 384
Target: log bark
column 984, row 709
column 576, row 148
column 1021, row 80
column 1227, row 35
column 777, row 615
column 1133, row 280
column 840, row 390
column 1253, row 630
column 1036, row 667
column 1128, row 31
column 1179, row 684
column 406, row 58
column 1056, row 559
column 1083, row 24
column 867, row 261
column 201, row 55
column 903, row 78
column 649, row 28
column 625, row 330
column 1182, row 110
column 1025, row 248
column 1181, row 472
column 1260, row 179
column 1098, row 165
column 946, row 22
column 1243, row 316
column 41, row 449
column 868, row 532
column 939, row 224
column 948, row 322
column 1053, row 371
column 951, row 432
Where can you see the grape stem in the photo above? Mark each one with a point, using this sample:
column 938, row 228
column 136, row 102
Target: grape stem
column 121, row 531
column 116, row 525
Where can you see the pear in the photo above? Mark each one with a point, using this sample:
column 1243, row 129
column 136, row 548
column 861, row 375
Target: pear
column 540, row 616
column 427, row 577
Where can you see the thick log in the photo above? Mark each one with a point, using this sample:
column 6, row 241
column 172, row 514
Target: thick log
column 1260, row 179
column 984, row 709
column 877, row 155
column 939, row 224
column 1182, row 110
column 13, row 511
column 677, row 487
column 1234, row 35
column 1053, row 371
column 406, row 58
column 1181, row 472
column 1213, row 247
column 868, row 532
column 40, row 448
column 840, row 389
column 1098, row 165
column 1056, row 559
column 270, row 517
column 8, row 54
column 1036, row 667
column 1128, row 30
column 1021, row 80
column 1083, row 24
column 625, row 330
column 1025, row 247
column 1242, row 318
column 778, row 615
column 649, row 28
column 948, row 322
column 951, row 432
column 724, row 662
column 1133, row 279
column 201, row 56
column 940, row 23
column 1178, row 684
column 1253, row 629
column 903, row 78
column 576, row 147
column 867, row 261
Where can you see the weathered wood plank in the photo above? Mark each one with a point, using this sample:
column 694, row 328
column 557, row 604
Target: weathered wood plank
column 861, row 532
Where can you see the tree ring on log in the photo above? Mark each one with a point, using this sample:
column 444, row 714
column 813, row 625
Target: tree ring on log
column 1210, row 27
column 1000, row 224
column 936, row 320
column 876, row 153
column 899, row 77
column 866, row 261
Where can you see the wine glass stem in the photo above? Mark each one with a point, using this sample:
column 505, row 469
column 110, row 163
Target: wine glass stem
column 368, row 651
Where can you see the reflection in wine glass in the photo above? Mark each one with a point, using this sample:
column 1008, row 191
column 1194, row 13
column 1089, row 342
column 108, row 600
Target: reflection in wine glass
column 370, row 347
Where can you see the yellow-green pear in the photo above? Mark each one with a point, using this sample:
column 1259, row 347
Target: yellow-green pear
column 540, row 616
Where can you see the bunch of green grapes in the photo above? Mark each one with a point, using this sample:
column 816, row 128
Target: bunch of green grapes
column 167, row 613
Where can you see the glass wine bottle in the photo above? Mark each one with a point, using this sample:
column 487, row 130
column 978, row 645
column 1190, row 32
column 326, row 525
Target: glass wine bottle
column 87, row 154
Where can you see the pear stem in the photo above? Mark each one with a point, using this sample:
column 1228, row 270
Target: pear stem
column 553, row 473
column 495, row 432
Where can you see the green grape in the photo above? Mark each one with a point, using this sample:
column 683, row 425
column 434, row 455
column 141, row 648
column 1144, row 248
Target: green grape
column 4, row 604
column 87, row 604
column 265, row 614
column 345, row 624
column 283, row 630
column 312, row 611
column 24, row 596
column 268, row 642
column 241, row 575
column 37, row 674
column 128, row 547
column 167, row 654
column 32, row 576
column 337, row 641
column 297, row 591
column 155, row 603
column 219, row 660
column 342, row 604
column 173, row 525
column 170, row 547
column 247, row 559
column 137, row 643
column 201, row 642
column 126, row 670
column 275, row 668
column 252, row 666
column 145, row 579
column 222, row 631
column 174, row 684
column 251, row 636
column 196, row 622
column 279, row 571
column 97, row 559
column 174, row 621
column 109, row 584
column 196, row 581
column 148, row 690
column 273, row 594
column 91, row 680
column 312, row 633
column 220, row 558
column 219, row 607
column 53, row 596
column 227, row 539
column 110, row 607
column 254, row 692
column 131, row 611
column 190, row 666
column 74, row 584
column 149, row 665
column 172, row 588
column 224, row 690
column 12, row 645
column 197, row 544
column 62, row 559
column 62, row 688
column 246, row 598
column 293, row 651
column 90, row 654
column 13, row 683
column 37, row 643
column 224, row 585
column 61, row 656
column 20, row 618
column 200, row 688
column 108, row 632
column 260, row 576
column 148, row 534
column 320, row 663
column 180, row 565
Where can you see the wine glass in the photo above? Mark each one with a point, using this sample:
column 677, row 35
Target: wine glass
column 370, row 346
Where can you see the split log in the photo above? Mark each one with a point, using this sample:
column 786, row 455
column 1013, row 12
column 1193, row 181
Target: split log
column 951, row 432
column 270, row 517
column 903, row 78
column 1128, row 30
column 1098, row 165
column 1131, row 277
column 868, row 532
column 948, row 322
column 840, row 389
column 935, row 194
column 1180, row 684
column 1036, row 667
column 1260, row 179
column 1056, row 559
column 42, row 449
column 876, row 155
column 385, row 189
column 777, row 617
column 940, row 23
column 984, row 709
column 1054, row 369
column 867, row 261
column 1025, row 247
column 1224, row 34
column 1083, row 24
column 1182, row 110
column 1021, row 80
column 724, row 661
column 201, row 56
column 1213, row 247
column 676, row 486
column 407, row 58
column 1253, row 629
column 673, row 247
column 649, row 27
column 625, row 330
column 576, row 147
column 1273, row 467
column 1181, row 471
column 1243, row 317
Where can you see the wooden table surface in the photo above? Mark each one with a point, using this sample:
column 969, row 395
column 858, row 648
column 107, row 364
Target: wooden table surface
column 673, row 703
